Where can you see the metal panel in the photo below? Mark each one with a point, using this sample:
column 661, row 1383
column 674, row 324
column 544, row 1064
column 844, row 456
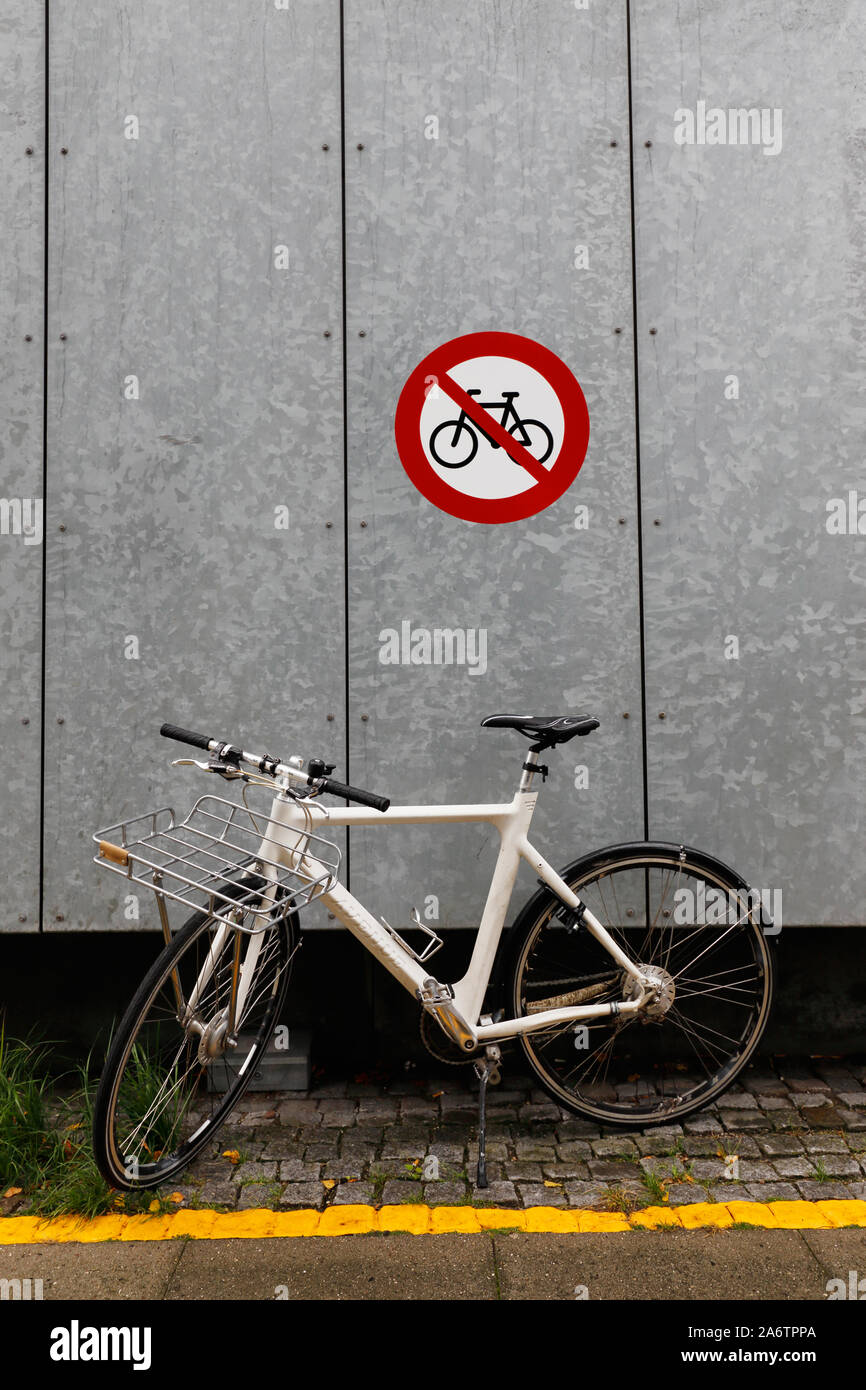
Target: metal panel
column 750, row 265
column 199, row 141
column 22, row 150
column 469, row 228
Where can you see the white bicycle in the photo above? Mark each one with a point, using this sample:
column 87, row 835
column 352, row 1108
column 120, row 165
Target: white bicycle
column 638, row 980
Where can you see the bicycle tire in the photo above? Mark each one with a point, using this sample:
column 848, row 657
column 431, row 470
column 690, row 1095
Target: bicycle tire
column 633, row 1075
column 449, row 424
column 524, row 425
column 117, row 1166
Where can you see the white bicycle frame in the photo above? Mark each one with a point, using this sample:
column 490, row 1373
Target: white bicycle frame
column 458, row 1007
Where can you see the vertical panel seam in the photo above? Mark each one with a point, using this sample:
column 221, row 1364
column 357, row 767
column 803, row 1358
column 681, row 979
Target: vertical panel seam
column 345, row 383
column 44, row 595
column 638, row 489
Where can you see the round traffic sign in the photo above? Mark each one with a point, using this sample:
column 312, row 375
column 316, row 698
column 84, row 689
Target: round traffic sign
column 492, row 427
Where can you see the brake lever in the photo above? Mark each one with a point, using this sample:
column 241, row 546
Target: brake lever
column 227, row 770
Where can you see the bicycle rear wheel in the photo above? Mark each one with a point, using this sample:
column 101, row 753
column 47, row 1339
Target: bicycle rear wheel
column 169, row 1081
column 689, row 920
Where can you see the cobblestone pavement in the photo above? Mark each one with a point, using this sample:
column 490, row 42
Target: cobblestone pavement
column 787, row 1131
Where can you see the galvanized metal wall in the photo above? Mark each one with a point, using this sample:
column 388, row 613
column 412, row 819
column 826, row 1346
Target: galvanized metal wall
column 247, row 192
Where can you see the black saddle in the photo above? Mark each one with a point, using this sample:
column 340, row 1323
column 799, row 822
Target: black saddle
column 546, row 730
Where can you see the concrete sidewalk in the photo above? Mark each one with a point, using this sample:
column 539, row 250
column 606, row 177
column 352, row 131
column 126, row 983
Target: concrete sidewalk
column 702, row 1265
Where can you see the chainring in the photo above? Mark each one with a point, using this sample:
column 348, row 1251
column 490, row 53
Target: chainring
column 440, row 1046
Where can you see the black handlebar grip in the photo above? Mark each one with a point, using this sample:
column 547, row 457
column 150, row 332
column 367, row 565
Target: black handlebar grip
column 186, row 736
column 377, row 803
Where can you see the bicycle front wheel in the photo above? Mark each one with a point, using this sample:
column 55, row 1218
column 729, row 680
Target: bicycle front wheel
column 691, row 924
column 171, row 1077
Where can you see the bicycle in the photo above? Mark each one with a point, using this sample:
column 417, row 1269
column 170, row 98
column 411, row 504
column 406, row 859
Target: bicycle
column 506, row 405
column 631, row 1008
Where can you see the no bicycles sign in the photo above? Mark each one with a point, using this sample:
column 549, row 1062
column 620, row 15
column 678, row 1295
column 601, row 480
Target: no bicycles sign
column 492, row 427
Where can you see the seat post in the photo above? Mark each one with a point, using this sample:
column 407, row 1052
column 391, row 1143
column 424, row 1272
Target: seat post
column 528, row 773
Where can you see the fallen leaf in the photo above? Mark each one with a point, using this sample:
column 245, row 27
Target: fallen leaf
column 154, row 1206
column 329, row 1183
column 635, row 1076
column 232, row 1155
column 77, row 1125
column 552, row 1184
column 68, row 1150
column 13, row 1192
column 176, row 1197
column 438, row 1093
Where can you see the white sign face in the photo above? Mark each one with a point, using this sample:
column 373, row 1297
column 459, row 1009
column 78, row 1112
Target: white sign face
column 518, row 398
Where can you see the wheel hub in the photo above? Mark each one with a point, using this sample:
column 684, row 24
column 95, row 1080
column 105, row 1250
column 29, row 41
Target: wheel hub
column 663, row 990
column 212, row 1042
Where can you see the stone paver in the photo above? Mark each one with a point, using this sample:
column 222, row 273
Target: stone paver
column 798, row 1130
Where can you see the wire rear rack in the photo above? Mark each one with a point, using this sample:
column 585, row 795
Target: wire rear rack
column 227, row 860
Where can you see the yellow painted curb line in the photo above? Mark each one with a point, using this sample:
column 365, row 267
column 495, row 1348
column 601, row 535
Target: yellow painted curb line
column 418, row 1219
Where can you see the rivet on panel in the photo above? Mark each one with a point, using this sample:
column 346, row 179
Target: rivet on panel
column 61, row 527
column 625, row 716
column 653, row 332
column 613, row 144
column 656, row 522
column 59, row 917
column 662, row 714
column 64, row 149
column 330, row 718
column 360, row 147
column 622, row 521
column 361, row 333
column 327, row 333
column 29, row 149
column 363, row 525
column 332, row 917
column 617, row 330
column 328, row 525
column 63, row 337
column 364, row 718
column 648, row 144
column 22, row 916
column 326, row 147
column 60, row 719
column 25, row 720
column 28, row 337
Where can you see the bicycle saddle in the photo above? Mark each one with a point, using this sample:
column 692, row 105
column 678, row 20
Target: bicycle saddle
column 546, row 729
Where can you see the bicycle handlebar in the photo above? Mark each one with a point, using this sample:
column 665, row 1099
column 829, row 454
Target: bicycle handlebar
column 273, row 767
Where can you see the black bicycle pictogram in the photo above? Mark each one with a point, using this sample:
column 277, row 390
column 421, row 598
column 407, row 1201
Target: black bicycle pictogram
column 461, row 445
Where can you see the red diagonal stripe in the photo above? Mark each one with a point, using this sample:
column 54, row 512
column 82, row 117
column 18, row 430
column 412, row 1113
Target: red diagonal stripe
column 515, row 450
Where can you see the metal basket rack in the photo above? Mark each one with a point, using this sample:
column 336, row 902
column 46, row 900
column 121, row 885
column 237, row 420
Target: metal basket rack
column 206, row 861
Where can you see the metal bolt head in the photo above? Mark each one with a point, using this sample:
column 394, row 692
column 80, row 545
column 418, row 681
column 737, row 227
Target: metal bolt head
column 327, row 333
column 59, row 917
column 25, row 720
column 330, row 718
column 653, row 332
column 28, row 337
column 648, row 144
column 363, row 524
column 613, row 144
column 29, row 149
column 61, row 527
column 326, row 147
column 64, row 149
column 360, row 147
column 657, row 522
column 625, row 716
column 60, row 719
column 328, row 525
column 364, row 718
column 361, row 333
column 622, row 521
column 63, row 337
column 662, row 715
column 617, row 330
column 22, row 916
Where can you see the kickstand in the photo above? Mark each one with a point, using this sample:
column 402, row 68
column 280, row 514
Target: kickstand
column 487, row 1070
